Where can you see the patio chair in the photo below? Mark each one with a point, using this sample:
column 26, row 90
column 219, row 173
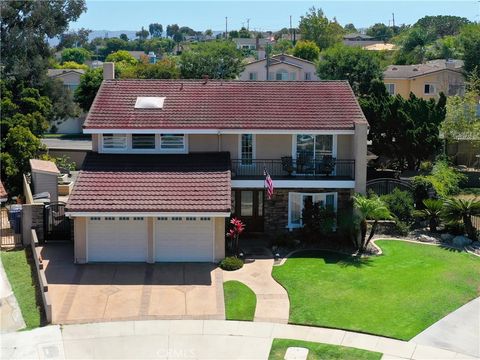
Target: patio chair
column 327, row 165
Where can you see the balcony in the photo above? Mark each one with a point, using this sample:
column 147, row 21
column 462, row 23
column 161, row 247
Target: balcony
column 288, row 168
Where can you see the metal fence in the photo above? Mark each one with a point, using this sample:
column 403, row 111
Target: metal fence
column 9, row 236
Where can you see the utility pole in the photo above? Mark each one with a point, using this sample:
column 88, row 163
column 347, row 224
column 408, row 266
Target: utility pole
column 226, row 27
column 291, row 34
column 248, row 24
column 393, row 20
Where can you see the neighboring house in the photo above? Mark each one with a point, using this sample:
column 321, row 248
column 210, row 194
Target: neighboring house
column 172, row 160
column 69, row 77
column 137, row 54
column 252, row 43
column 426, row 80
column 71, row 80
column 361, row 40
column 281, row 67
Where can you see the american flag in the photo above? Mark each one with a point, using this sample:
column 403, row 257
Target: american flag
column 268, row 184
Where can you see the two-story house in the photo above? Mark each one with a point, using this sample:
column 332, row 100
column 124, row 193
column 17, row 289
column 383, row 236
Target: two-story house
column 280, row 67
column 173, row 159
column 427, row 80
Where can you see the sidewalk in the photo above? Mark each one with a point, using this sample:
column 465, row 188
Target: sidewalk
column 273, row 304
column 10, row 314
column 458, row 331
column 193, row 339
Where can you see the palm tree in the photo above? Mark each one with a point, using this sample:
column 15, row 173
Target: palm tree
column 460, row 209
column 369, row 208
column 432, row 213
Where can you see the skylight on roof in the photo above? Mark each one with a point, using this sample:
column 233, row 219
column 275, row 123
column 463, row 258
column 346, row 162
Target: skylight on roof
column 149, row 102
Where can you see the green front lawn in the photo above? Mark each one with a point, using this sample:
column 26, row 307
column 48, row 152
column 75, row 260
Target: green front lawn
column 19, row 273
column 397, row 294
column 321, row 351
column 240, row 301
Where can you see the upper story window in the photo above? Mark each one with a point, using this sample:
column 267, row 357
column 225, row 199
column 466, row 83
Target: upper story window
column 252, row 76
column 390, row 88
column 114, row 141
column 308, row 76
column 429, row 89
column 143, row 141
column 282, row 75
column 172, row 142
column 247, row 149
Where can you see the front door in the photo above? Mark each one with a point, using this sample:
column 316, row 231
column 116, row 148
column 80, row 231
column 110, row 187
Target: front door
column 247, row 205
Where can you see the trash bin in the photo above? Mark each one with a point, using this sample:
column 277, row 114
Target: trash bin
column 15, row 215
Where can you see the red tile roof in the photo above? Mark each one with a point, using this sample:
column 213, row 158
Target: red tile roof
column 197, row 182
column 194, row 104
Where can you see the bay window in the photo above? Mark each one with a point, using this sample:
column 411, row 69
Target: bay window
column 296, row 204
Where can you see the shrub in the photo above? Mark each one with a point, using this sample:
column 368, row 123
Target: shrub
column 426, row 166
column 432, row 212
column 402, row 228
column 231, row 263
column 445, row 179
column 422, row 188
column 318, row 220
column 400, row 203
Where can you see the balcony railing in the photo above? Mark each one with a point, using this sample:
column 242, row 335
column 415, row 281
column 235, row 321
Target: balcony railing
column 288, row 168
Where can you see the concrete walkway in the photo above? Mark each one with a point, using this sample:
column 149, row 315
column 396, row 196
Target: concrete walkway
column 459, row 331
column 192, row 339
column 10, row 314
column 272, row 299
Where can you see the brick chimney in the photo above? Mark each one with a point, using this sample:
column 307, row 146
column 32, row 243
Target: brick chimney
column 108, row 71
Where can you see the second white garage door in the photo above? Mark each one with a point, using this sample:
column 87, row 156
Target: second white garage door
column 117, row 239
column 184, row 239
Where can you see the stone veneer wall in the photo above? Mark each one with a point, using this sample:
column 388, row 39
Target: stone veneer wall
column 276, row 209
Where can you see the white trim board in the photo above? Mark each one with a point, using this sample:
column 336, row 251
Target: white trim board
column 147, row 214
column 295, row 184
column 218, row 131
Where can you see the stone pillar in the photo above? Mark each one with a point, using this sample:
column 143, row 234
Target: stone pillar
column 32, row 218
column 360, row 151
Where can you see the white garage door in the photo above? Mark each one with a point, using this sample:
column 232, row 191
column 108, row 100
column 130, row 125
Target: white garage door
column 117, row 239
column 184, row 239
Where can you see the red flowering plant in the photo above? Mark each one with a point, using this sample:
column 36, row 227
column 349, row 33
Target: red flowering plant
column 234, row 234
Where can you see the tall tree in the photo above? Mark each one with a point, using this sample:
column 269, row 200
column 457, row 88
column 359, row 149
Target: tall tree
column 315, row 26
column 78, row 55
column 380, row 31
column 462, row 119
column 155, row 30
column 142, row 34
column 24, row 28
column 405, row 131
column 172, row 29
column 354, row 64
column 442, row 25
column 244, row 33
column 217, row 59
column 124, row 37
column 87, row 90
column 350, row 28
column 71, row 39
column 307, row 50
column 469, row 39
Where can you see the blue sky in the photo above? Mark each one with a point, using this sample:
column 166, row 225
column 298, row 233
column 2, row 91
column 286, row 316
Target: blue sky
column 264, row 15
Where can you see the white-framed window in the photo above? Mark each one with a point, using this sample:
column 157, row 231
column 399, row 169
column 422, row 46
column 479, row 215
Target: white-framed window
column 309, row 149
column 293, row 76
column 390, row 88
column 172, row 142
column 252, row 76
column 296, row 204
column 429, row 89
column 282, row 75
column 308, row 76
column 270, row 75
column 115, row 141
column 143, row 141
column 247, row 149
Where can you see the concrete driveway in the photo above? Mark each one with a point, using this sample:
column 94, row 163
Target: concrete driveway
column 110, row 292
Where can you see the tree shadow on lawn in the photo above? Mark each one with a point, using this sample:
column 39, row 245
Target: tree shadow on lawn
column 452, row 249
column 331, row 257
